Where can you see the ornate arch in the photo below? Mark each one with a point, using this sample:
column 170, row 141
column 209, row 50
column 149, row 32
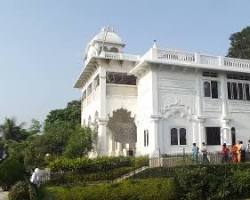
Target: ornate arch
column 122, row 126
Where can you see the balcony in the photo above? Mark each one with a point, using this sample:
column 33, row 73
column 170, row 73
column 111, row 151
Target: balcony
column 197, row 60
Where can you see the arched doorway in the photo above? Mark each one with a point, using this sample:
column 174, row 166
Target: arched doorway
column 233, row 135
column 123, row 132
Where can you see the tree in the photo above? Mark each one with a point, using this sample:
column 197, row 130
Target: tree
column 79, row 143
column 35, row 127
column 240, row 44
column 12, row 131
column 70, row 115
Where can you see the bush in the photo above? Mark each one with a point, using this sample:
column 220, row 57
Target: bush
column 127, row 190
column 90, row 165
column 19, row 191
column 23, row 191
column 11, row 171
column 75, row 178
column 79, row 143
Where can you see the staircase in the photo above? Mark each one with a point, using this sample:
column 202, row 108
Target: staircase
column 126, row 176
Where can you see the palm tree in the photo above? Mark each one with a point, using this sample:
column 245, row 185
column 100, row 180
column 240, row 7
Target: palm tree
column 10, row 130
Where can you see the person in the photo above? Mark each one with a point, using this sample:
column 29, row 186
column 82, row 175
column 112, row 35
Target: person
column 195, row 151
column 242, row 152
column 225, row 152
column 234, row 153
column 248, row 151
column 239, row 147
column 204, row 153
column 248, row 147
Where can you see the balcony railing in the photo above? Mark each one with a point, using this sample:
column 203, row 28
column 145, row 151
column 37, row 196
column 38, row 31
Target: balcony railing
column 119, row 56
column 173, row 56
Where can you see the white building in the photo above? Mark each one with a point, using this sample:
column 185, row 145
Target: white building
column 163, row 101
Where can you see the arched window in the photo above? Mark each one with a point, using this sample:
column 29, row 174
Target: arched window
column 89, row 121
column 207, row 89
column 105, row 48
column 183, row 140
column 233, row 135
column 113, row 49
column 174, row 136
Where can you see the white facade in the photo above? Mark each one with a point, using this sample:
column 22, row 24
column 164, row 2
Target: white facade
column 178, row 98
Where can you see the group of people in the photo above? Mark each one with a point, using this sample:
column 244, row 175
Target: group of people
column 235, row 153
column 195, row 153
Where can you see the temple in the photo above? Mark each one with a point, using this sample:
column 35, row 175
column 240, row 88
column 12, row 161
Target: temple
column 163, row 101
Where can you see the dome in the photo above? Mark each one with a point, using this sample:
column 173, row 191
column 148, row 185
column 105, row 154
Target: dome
column 108, row 35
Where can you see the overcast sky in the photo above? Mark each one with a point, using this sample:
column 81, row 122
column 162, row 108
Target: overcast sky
column 42, row 41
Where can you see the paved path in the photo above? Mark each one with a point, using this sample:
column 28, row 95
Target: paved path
column 125, row 176
column 3, row 195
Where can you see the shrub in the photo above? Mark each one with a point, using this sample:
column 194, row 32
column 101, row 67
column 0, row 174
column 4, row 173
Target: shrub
column 79, row 143
column 76, row 178
column 11, row 171
column 127, row 190
column 89, row 165
column 19, row 191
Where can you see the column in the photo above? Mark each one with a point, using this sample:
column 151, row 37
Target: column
column 102, row 130
column 223, row 96
column 201, row 128
column 200, row 137
column 102, row 147
column 225, row 129
column 155, row 115
column 225, row 132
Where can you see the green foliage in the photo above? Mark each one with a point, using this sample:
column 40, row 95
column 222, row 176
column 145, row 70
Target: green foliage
column 90, row 165
column 70, row 115
column 80, row 178
column 79, row 143
column 206, row 181
column 151, row 189
column 12, row 131
column 11, row 171
column 35, row 127
column 240, row 44
column 19, row 191
column 23, row 190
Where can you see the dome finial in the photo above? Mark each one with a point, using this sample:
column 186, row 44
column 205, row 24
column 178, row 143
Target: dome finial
column 155, row 44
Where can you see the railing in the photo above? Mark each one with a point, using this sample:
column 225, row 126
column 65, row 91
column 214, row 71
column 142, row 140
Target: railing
column 174, row 56
column 233, row 62
column 209, row 60
column 186, row 159
column 119, row 56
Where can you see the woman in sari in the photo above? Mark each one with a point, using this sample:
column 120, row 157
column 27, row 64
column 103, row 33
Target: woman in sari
column 234, row 152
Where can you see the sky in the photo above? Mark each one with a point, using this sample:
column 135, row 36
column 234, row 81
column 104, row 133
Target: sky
column 42, row 42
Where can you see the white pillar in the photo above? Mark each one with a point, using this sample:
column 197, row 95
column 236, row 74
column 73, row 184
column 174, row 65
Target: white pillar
column 201, row 128
column 102, row 130
column 102, row 147
column 223, row 96
column 155, row 115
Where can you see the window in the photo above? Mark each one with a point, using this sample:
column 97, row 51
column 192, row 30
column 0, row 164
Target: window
column 89, row 89
column 178, row 136
column 207, row 89
column 211, row 89
column 213, row 135
column 183, row 136
column 120, row 78
column 146, row 138
column 96, row 82
column 233, row 135
column 84, row 95
column 238, row 91
column 210, row 74
column 174, row 136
